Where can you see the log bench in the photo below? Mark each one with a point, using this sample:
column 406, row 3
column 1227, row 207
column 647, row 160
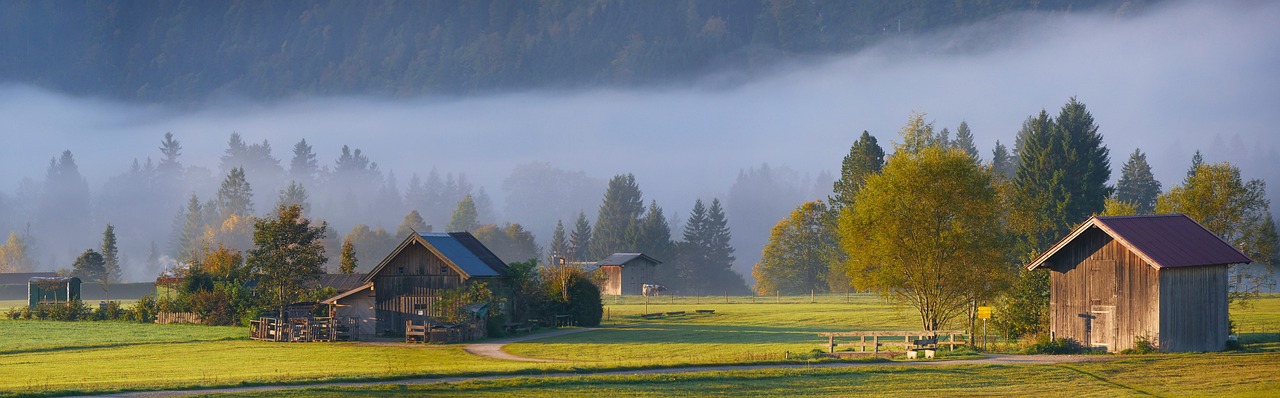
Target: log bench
column 706, row 311
column 908, row 340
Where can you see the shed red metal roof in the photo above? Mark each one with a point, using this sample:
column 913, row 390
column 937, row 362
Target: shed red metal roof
column 1164, row 240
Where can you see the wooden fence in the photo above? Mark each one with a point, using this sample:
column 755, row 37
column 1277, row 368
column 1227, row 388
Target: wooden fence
column 303, row 329
column 165, row 318
column 890, row 338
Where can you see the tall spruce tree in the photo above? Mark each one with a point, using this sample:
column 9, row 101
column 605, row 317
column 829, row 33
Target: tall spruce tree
column 692, row 250
column 651, row 235
column 720, row 256
column 235, row 196
column 622, row 207
column 110, row 255
column 303, row 167
column 295, row 194
column 189, row 242
column 964, row 141
column 1137, row 185
column 559, row 243
column 580, row 239
column 1002, row 163
column 1061, row 177
column 865, row 157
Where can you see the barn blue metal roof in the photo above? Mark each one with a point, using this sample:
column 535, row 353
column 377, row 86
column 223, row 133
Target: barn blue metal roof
column 466, row 252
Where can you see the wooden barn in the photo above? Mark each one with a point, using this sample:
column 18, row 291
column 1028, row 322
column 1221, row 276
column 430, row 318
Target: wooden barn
column 1159, row 277
column 406, row 285
column 625, row 274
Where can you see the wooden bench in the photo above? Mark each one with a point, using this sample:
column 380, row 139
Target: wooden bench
column 652, row 315
column 927, row 346
column 676, row 313
column 706, row 311
column 907, row 341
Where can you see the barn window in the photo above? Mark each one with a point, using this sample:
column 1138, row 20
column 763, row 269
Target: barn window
column 444, row 269
column 400, row 269
column 420, row 271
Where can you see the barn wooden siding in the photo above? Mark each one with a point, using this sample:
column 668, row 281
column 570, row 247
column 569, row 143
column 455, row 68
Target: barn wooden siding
column 612, row 285
column 1095, row 276
column 1193, row 320
column 635, row 274
column 411, row 282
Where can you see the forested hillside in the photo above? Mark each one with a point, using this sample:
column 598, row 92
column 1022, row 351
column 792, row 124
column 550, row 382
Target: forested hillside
column 188, row 51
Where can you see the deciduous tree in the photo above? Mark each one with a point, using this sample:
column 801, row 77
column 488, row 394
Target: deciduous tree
column 926, row 232
column 801, row 250
column 288, row 254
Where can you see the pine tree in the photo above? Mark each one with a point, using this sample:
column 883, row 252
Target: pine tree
column 412, row 223
column 169, row 166
column 464, row 216
column 190, row 226
column 559, row 243
column 303, row 167
column 580, row 239
column 964, row 141
column 235, row 196
column 652, row 235
column 294, row 194
column 110, row 255
column 1002, row 163
column 347, row 263
column 621, row 208
column 63, row 209
column 865, row 157
column 235, row 155
column 1197, row 160
column 720, row 250
column 1137, row 185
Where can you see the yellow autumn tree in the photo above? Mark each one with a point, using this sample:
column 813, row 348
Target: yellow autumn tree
column 927, row 232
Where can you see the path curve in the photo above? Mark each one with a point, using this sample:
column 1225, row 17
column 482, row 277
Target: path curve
column 990, row 359
column 493, row 348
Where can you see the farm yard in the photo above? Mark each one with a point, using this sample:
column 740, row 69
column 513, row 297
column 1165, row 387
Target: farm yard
column 57, row 358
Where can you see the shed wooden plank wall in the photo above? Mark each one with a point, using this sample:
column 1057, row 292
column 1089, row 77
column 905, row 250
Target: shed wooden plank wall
column 635, row 274
column 612, row 280
column 1096, row 276
column 411, row 281
column 1194, row 308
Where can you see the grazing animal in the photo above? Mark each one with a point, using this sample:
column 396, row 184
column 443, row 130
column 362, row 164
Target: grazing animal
column 653, row 289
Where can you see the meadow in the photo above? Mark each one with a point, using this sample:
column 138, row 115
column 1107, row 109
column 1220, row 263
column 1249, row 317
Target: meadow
column 60, row 358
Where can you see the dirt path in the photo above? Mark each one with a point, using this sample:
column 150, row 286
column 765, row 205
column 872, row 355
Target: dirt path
column 493, row 349
column 990, row 359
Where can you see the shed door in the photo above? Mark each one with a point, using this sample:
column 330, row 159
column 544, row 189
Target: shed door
column 1104, row 279
column 1103, row 334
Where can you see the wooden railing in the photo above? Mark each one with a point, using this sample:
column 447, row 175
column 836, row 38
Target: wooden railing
column 295, row 329
column 891, row 339
column 165, row 318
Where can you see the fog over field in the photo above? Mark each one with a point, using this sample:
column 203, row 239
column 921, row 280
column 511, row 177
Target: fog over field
column 1170, row 80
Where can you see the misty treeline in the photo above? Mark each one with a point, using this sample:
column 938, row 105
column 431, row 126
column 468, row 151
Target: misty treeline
column 937, row 227
column 189, row 51
column 166, row 211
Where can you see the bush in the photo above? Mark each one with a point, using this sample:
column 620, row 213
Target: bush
column 14, row 313
column 144, row 310
column 1061, row 346
column 1141, row 345
column 585, row 306
column 71, row 311
column 112, row 312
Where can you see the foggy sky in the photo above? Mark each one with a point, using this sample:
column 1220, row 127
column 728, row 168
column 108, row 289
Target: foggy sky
column 1172, row 80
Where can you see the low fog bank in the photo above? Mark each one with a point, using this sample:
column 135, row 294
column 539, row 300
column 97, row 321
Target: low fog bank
column 1172, row 80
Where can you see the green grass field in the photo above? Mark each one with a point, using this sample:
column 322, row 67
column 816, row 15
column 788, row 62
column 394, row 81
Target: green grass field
column 1228, row 375
column 93, row 357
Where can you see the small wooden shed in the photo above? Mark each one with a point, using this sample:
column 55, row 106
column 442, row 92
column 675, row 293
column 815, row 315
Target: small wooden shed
column 627, row 273
column 1160, row 277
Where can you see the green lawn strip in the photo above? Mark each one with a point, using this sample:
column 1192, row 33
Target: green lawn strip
column 1163, row 375
column 240, row 362
column 21, row 336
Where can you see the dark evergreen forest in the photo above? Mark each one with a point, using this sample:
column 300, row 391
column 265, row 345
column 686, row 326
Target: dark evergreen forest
column 180, row 51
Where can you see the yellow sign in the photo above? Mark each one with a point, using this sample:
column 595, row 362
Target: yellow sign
column 984, row 312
